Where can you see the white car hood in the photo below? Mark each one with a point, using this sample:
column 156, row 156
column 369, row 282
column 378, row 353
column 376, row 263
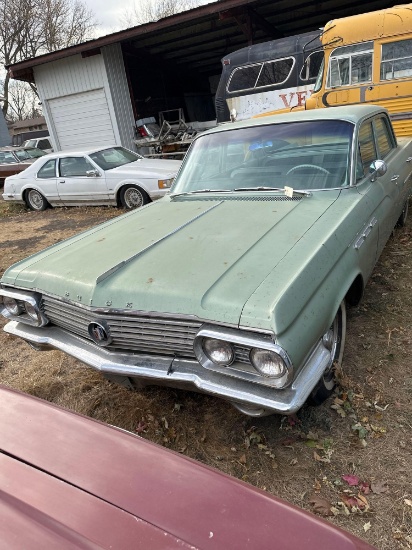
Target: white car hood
column 147, row 168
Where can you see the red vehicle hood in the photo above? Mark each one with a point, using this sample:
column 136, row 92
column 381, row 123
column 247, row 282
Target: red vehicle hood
column 70, row 482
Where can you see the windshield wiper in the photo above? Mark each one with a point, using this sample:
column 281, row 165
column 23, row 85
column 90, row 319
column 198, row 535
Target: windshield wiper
column 202, row 191
column 260, row 188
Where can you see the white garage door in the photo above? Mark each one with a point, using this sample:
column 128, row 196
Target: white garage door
column 82, row 120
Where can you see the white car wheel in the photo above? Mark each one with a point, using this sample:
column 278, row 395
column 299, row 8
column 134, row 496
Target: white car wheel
column 132, row 196
column 35, row 200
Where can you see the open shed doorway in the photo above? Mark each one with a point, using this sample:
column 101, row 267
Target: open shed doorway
column 158, row 85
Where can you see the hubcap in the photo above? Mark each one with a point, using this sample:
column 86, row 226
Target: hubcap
column 133, row 198
column 36, row 199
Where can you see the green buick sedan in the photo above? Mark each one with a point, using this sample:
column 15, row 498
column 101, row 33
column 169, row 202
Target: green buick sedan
column 236, row 283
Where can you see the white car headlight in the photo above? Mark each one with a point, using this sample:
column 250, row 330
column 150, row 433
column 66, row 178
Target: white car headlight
column 219, row 351
column 267, row 363
column 12, row 306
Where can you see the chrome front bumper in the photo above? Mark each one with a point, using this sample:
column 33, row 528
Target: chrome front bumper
column 250, row 398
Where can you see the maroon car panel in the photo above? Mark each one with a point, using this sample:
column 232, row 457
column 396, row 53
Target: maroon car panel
column 181, row 497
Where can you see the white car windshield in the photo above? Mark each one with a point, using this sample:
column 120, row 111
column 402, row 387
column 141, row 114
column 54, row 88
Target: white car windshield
column 306, row 155
column 113, row 157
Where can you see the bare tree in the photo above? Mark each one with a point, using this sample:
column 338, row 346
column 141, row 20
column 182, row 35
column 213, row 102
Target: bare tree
column 144, row 11
column 23, row 101
column 33, row 27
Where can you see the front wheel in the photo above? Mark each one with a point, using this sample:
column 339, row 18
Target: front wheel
column 404, row 215
column 132, row 196
column 35, row 200
column 334, row 342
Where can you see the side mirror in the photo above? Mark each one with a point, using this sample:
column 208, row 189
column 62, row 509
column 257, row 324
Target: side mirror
column 92, row 174
column 378, row 168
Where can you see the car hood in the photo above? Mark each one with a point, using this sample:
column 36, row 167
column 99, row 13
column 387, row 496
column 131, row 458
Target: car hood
column 198, row 257
column 146, row 168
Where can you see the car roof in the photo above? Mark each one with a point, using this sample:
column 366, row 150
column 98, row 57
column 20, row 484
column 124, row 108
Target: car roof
column 351, row 113
column 85, row 151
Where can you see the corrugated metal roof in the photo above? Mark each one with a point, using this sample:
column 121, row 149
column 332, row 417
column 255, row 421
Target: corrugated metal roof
column 199, row 38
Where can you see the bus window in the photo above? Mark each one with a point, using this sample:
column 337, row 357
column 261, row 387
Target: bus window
column 350, row 65
column 268, row 77
column 396, row 59
column 260, row 75
column 310, row 69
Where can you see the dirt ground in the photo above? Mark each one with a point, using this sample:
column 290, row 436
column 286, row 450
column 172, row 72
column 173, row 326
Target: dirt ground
column 348, row 460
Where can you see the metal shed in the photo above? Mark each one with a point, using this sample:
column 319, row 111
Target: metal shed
column 92, row 93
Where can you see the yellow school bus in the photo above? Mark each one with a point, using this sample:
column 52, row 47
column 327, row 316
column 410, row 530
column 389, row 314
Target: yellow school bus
column 368, row 59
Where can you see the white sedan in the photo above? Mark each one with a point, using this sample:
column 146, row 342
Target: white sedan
column 113, row 175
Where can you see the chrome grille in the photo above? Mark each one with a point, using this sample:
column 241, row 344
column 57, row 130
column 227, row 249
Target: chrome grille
column 129, row 332
column 132, row 333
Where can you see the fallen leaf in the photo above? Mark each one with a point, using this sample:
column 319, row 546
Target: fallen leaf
column 242, row 459
column 364, row 487
column 141, row 427
column 379, row 487
column 317, row 486
column 320, row 505
column 407, row 502
column 351, row 480
column 367, row 526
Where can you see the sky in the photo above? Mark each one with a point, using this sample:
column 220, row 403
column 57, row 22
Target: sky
column 108, row 13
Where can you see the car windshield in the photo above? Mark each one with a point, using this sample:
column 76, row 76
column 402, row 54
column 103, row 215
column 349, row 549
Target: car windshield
column 113, row 157
column 27, row 154
column 29, row 143
column 306, row 155
column 7, row 157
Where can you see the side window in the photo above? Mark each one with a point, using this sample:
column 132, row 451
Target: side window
column 44, row 144
column 48, row 170
column 383, row 137
column 350, row 65
column 396, row 60
column 243, row 78
column 70, row 167
column 270, row 73
column 310, row 69
column 275, row 72
column 366, row 150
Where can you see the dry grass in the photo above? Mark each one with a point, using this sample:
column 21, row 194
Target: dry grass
column 290, row 457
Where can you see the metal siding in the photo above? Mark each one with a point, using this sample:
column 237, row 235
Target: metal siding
column 120, row 95
column 82, row 120
column 63, row 86
column 71, row 75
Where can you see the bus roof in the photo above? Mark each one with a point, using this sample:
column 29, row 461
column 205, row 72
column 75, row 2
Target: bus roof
column 374, row 25
column 274, row 49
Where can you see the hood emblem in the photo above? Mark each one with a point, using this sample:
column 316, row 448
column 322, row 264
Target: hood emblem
column 99, row 332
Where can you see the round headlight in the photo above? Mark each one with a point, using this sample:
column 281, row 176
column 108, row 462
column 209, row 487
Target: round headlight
column 31, row 311
column 267, row 363
column 11, row 305
column 218, row 351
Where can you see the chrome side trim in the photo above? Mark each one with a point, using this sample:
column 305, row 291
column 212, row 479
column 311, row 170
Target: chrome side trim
column 364, row 234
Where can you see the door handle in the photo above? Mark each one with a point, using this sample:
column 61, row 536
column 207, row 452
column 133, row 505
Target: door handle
column 395, row 178
column 62, row 181
column 409, row 159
